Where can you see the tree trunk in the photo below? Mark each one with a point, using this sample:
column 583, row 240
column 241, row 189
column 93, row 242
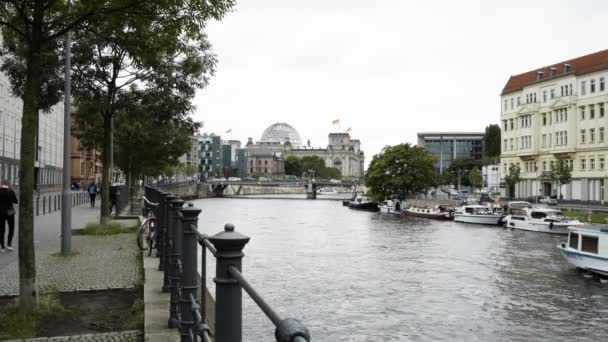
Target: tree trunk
column 106, row 149
column 28, row 292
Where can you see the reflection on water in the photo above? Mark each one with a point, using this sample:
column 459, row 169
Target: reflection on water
column 358, row 276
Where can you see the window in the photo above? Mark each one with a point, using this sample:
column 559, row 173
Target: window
column 601, row 136
column 511, row 123
column 592, row 164
column 544, row 141
column 589, row 244
column 592, row 86
column 544, row 96
column 544, row 165
column 583, row 164
column 573, row 241
column 591, row 111
column 518, row 101
column 601, row 109
column 602, row 163
column 552, row 93
column 528, row 98
column 582, row 110
column 582, row 136
column 583, row 87
column 552, row 165
column 505, row 148
column 534, row 96
column 511, row 144
column 570, row 88
column 591, row 135
column 506, row 102
column 602, row 84
column 511, row 103
column 544, row 119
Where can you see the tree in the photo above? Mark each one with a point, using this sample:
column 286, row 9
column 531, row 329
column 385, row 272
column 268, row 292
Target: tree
column 460, row 167
column 330, row 173
column 31, row 48
column 163, row 48
column 491, row 141
column 293, row 166
column 402, row 169
column 475, row 178
column 561, row 174
column 313, row 164
column 512, row 178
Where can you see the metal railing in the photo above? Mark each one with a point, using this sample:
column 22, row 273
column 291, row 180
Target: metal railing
column 178, row 239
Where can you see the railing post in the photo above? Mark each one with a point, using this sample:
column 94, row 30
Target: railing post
column 175, row 252
column 228, row 293
column 160, row 237
column 167, row 240
column 189, row 283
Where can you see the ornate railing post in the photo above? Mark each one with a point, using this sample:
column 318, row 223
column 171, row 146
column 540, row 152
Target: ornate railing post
column 167, row 229
column 160, row 199
column 189, row 283
column 174, row 254
column 228, row 294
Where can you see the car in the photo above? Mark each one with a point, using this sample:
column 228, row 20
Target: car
column 249, row 179
column 234, row 179
column 264, row 179
column 548, row 200
column 335, row 181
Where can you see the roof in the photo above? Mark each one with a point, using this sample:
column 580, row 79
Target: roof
column 578, row 66
column 449, row 134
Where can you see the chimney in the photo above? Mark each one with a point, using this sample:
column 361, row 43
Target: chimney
column 566, row 68
column 552, row 71
column 539, row 75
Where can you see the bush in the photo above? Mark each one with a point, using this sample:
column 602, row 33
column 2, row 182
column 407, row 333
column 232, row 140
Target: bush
column 14, row 324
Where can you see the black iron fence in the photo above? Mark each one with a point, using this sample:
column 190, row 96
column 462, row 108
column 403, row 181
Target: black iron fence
column 177, row 241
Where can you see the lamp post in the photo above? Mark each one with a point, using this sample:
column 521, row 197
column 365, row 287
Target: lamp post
column 66, row 203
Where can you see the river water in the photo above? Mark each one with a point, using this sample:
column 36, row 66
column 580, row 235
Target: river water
column 359, row 276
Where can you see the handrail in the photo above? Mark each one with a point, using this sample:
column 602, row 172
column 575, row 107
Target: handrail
column 203, row 239
column 150, row 203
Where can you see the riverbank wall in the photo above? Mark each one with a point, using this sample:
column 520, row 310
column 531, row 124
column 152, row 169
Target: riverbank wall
column 202, row 190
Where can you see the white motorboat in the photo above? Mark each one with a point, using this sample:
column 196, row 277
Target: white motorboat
column 327, row 191
column 477, row 214
column 546, row 220
column 390, row 206
column 587, row 248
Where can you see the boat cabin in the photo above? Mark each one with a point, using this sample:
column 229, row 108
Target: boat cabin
column 545, row 214
column 477, row 210
column 590, row 239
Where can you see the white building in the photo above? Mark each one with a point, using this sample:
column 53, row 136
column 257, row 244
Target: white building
column 49, row 162
column 558, row 112
column 491, row 177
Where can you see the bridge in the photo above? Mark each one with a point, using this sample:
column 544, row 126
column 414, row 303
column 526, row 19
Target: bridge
column 217, row 187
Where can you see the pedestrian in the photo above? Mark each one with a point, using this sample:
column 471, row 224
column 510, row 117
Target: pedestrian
column 92, row 190
column 7, row 214
column 114, row 193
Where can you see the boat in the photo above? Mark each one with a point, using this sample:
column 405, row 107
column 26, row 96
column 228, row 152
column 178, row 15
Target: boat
column 390, row 207
column 362, row 202
column 537, row 219
column 327, row 191
column 587, row 248
column 477, row 214
column 438, row 212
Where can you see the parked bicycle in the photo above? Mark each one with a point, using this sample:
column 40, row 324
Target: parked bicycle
column 146, row 236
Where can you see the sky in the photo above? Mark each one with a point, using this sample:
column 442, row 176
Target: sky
column 387, row 69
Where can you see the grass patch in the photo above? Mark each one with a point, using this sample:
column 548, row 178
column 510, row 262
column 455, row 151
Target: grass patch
column 136, row 320
column 14, row 324
column 601, row 218
column 107, row 229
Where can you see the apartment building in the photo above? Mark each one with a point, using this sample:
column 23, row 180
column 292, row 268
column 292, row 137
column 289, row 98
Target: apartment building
column 558, row 112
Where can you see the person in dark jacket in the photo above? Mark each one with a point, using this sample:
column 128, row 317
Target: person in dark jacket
column 7, row 214
column 92, row 190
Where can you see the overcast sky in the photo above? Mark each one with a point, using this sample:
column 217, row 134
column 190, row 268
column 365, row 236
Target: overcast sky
column 386, row 68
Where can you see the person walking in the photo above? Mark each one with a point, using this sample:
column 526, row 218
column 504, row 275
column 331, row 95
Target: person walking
column 7, row 214
column 92, row 190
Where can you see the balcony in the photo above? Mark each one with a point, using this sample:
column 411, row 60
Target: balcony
column 528, row 108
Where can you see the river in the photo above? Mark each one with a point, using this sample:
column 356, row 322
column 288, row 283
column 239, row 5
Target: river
column 359, row 276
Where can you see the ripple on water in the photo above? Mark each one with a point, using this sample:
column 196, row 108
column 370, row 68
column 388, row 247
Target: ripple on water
column 355, row 276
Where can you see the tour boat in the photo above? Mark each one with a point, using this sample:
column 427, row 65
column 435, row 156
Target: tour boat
column 477, row 214
column 362, row 202
column 587, row 248
column 546, row 220
column 438, row 212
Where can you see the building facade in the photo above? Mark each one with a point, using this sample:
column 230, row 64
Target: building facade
column 447, row 146
column 558, row 113
column 210, row 155
column 86, row 164
column 281, row 139
column 491, row 177
column 49, row 150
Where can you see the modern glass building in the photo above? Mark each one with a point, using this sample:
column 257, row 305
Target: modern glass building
column 447, row 146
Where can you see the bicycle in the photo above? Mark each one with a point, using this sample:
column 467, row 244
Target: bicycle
column 146, row 236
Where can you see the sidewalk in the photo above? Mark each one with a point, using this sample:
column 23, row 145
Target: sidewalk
column 47, row 229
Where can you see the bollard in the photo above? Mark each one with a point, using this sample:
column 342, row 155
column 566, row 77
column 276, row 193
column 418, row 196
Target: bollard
column 228, row 293
column 163, row 211
column 175, row 253
column 189, row 283
column 167, row 234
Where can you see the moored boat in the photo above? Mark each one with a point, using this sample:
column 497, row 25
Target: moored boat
column 390, row 207
column 587, row 248
column 438, row 212
column 478, row 214
column 545, row 220
column 362, row 202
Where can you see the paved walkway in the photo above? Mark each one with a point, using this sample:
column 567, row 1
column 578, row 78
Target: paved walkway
column 47, row 229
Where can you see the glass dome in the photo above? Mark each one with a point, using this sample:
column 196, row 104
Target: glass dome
column 280, row 133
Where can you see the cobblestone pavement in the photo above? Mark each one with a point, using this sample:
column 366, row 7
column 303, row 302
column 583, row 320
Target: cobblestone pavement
column 99, row 263
column 123, row 336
